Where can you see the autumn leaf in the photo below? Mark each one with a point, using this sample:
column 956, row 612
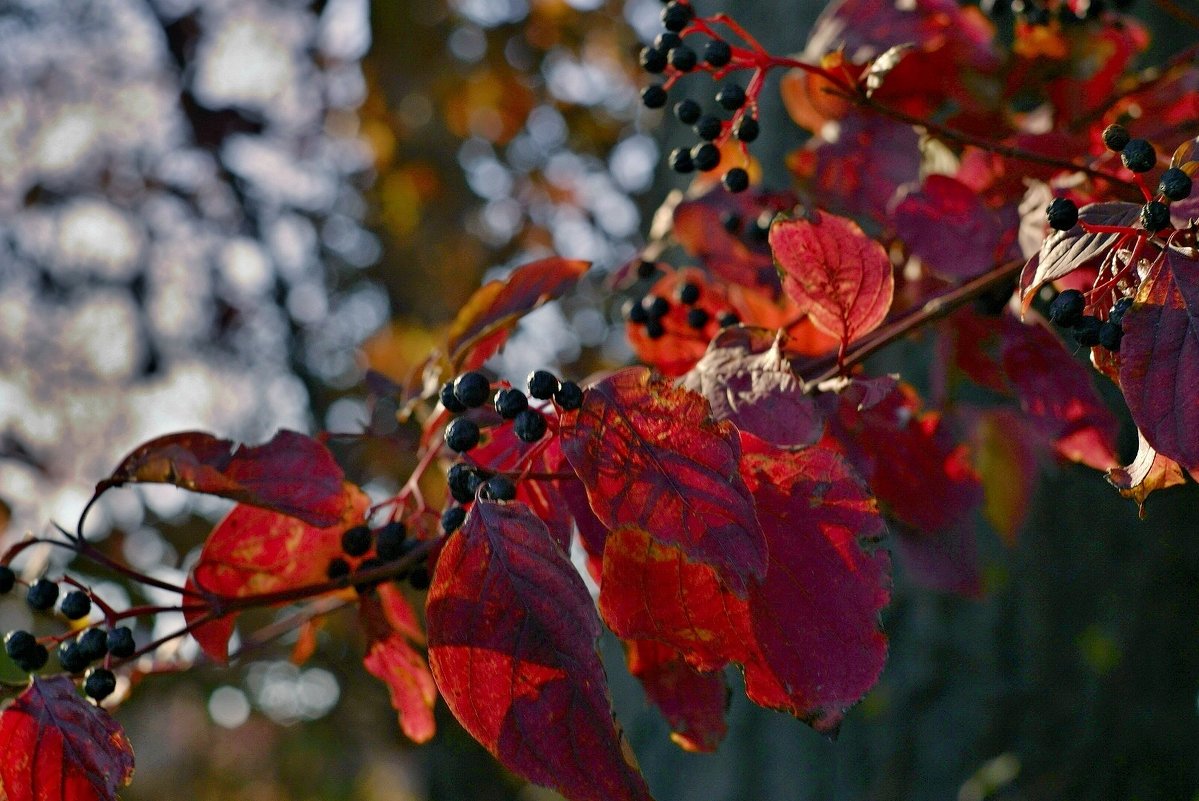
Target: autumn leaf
column 726, row 232
column 650, row 454
column 946, row 224
column 58, row 747
column 834, row 272
column 483, row 324
column 392, row 629
column 1063, row 252
column 693, row 703
column 512, row 644
column 292, row 474
column 1149, row 472
column 253, row 551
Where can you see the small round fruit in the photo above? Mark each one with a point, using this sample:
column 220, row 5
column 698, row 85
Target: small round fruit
column 728, row 319
column 634, row 312
column 667, row 41
column 655, row 306
column 419, row 578
column 1174, row 184
column 1115, row 137
column 389, row 542
column 120, row 642
column 462, row 434
column 8, row 579
column 356, row 541
column 676, row 16
column 71, row 658
column 458, row 480
column 500, row 488
column 529, row 425
column 1062, row 214
column 687, row 111
column 75, row 605
column 1155, row 216
column 338, row 568
column 452, row 519
column 652, row 60
column 1110, row 335
column 542, row 384
column 35, row 660
column 697, row 318
column 472, row 389
column 682, row 58
column 1116, row 315
column 707, row 128
column 93, row 644
column 1067, row 308
column 42, row 594
column 680, row 161
column 653, row 96
column 1138, row 155
column 688, row 293
column 19, row 644
column 731, row 97
column 510, row 402
column 736, row 180
column 654, row 329
column 746, row 129
column 717, row 52
column 569, row 396
column 365, row 566
column 449, row 400
column 705, row 157
column 646, row 268
column 99, row 683
column 1086, row 332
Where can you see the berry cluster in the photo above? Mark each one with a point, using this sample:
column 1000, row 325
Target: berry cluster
column 1068, row 310
column 671, row 55
column 74, row 655
column 389, row 543
column 651, row 311
column 471, row 390
column 1139, row 156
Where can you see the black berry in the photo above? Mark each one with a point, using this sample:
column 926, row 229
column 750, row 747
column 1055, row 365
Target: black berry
column 655, row 306
column 731, row 221
column 1155, row 216
column 389, row 542
column 472, row 389
column 569, row 396
column 510, row 402
column 687, row 111
column 356, row 541
column 1115, row 137
column 1116, row 315
column 1062, row 214
column 680, row 161
column 42, row 594
column 667, row 41
column 1174, row 184
column 474, row 481
column 75, row 605
column 458, row 480
column 708, row 128
column 633, row 311
column 688, row 293
column 746, row 129
column 717, row 52
column 653, row 96
column 1138, row 155
column 365, row 566
column 728, row 319
column 338, row 568
column 676, row 16
column 1067, row 308
column 19, row 644
column 419, row 578
column 99, row 683
column 542, row 384
column 705, row 156
column 682, row 58
column 71, row 658
column 452, row 519
column 7, row 579
column 1110, row 335
column 646, row 268
column 697, row 318
column 529, row 425
column 500, row 488
column 652, row 60
column 462, row 434
column 449, row 400
column 1086, row 332
column 120, row 642
column 731, row 97
column 736, row 180
column 654, row 329
column 93, row 644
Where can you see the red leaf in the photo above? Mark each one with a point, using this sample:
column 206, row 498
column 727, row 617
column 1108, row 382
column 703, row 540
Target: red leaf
column 946, row 224
column 58, row 747
column 512, row 632
column 836, row 274
column 748, row 381
column 482, row 325
column 292, row 474
column 718, row 229
column 256, row 551
column 391, row 629
column 1159, row 360
column 693, row 703
column 650, row 454
column 1063, row 252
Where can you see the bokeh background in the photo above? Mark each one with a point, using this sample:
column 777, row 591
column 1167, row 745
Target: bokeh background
column 219, row 214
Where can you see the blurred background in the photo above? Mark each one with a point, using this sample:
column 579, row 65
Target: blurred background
column 219, row 214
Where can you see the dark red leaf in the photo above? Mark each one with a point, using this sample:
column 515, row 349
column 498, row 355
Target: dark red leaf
column 1064, row 252
column 839, row 276
column 256, row 551
column 1159, row 360
column 748, row 380
column 650, row 454
column 392, row 629
column 56, row 746
column 292, row 474
column 483, row 324
column 504, row 451
column 693, row 703
column 946, row 224
column 512, row 633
